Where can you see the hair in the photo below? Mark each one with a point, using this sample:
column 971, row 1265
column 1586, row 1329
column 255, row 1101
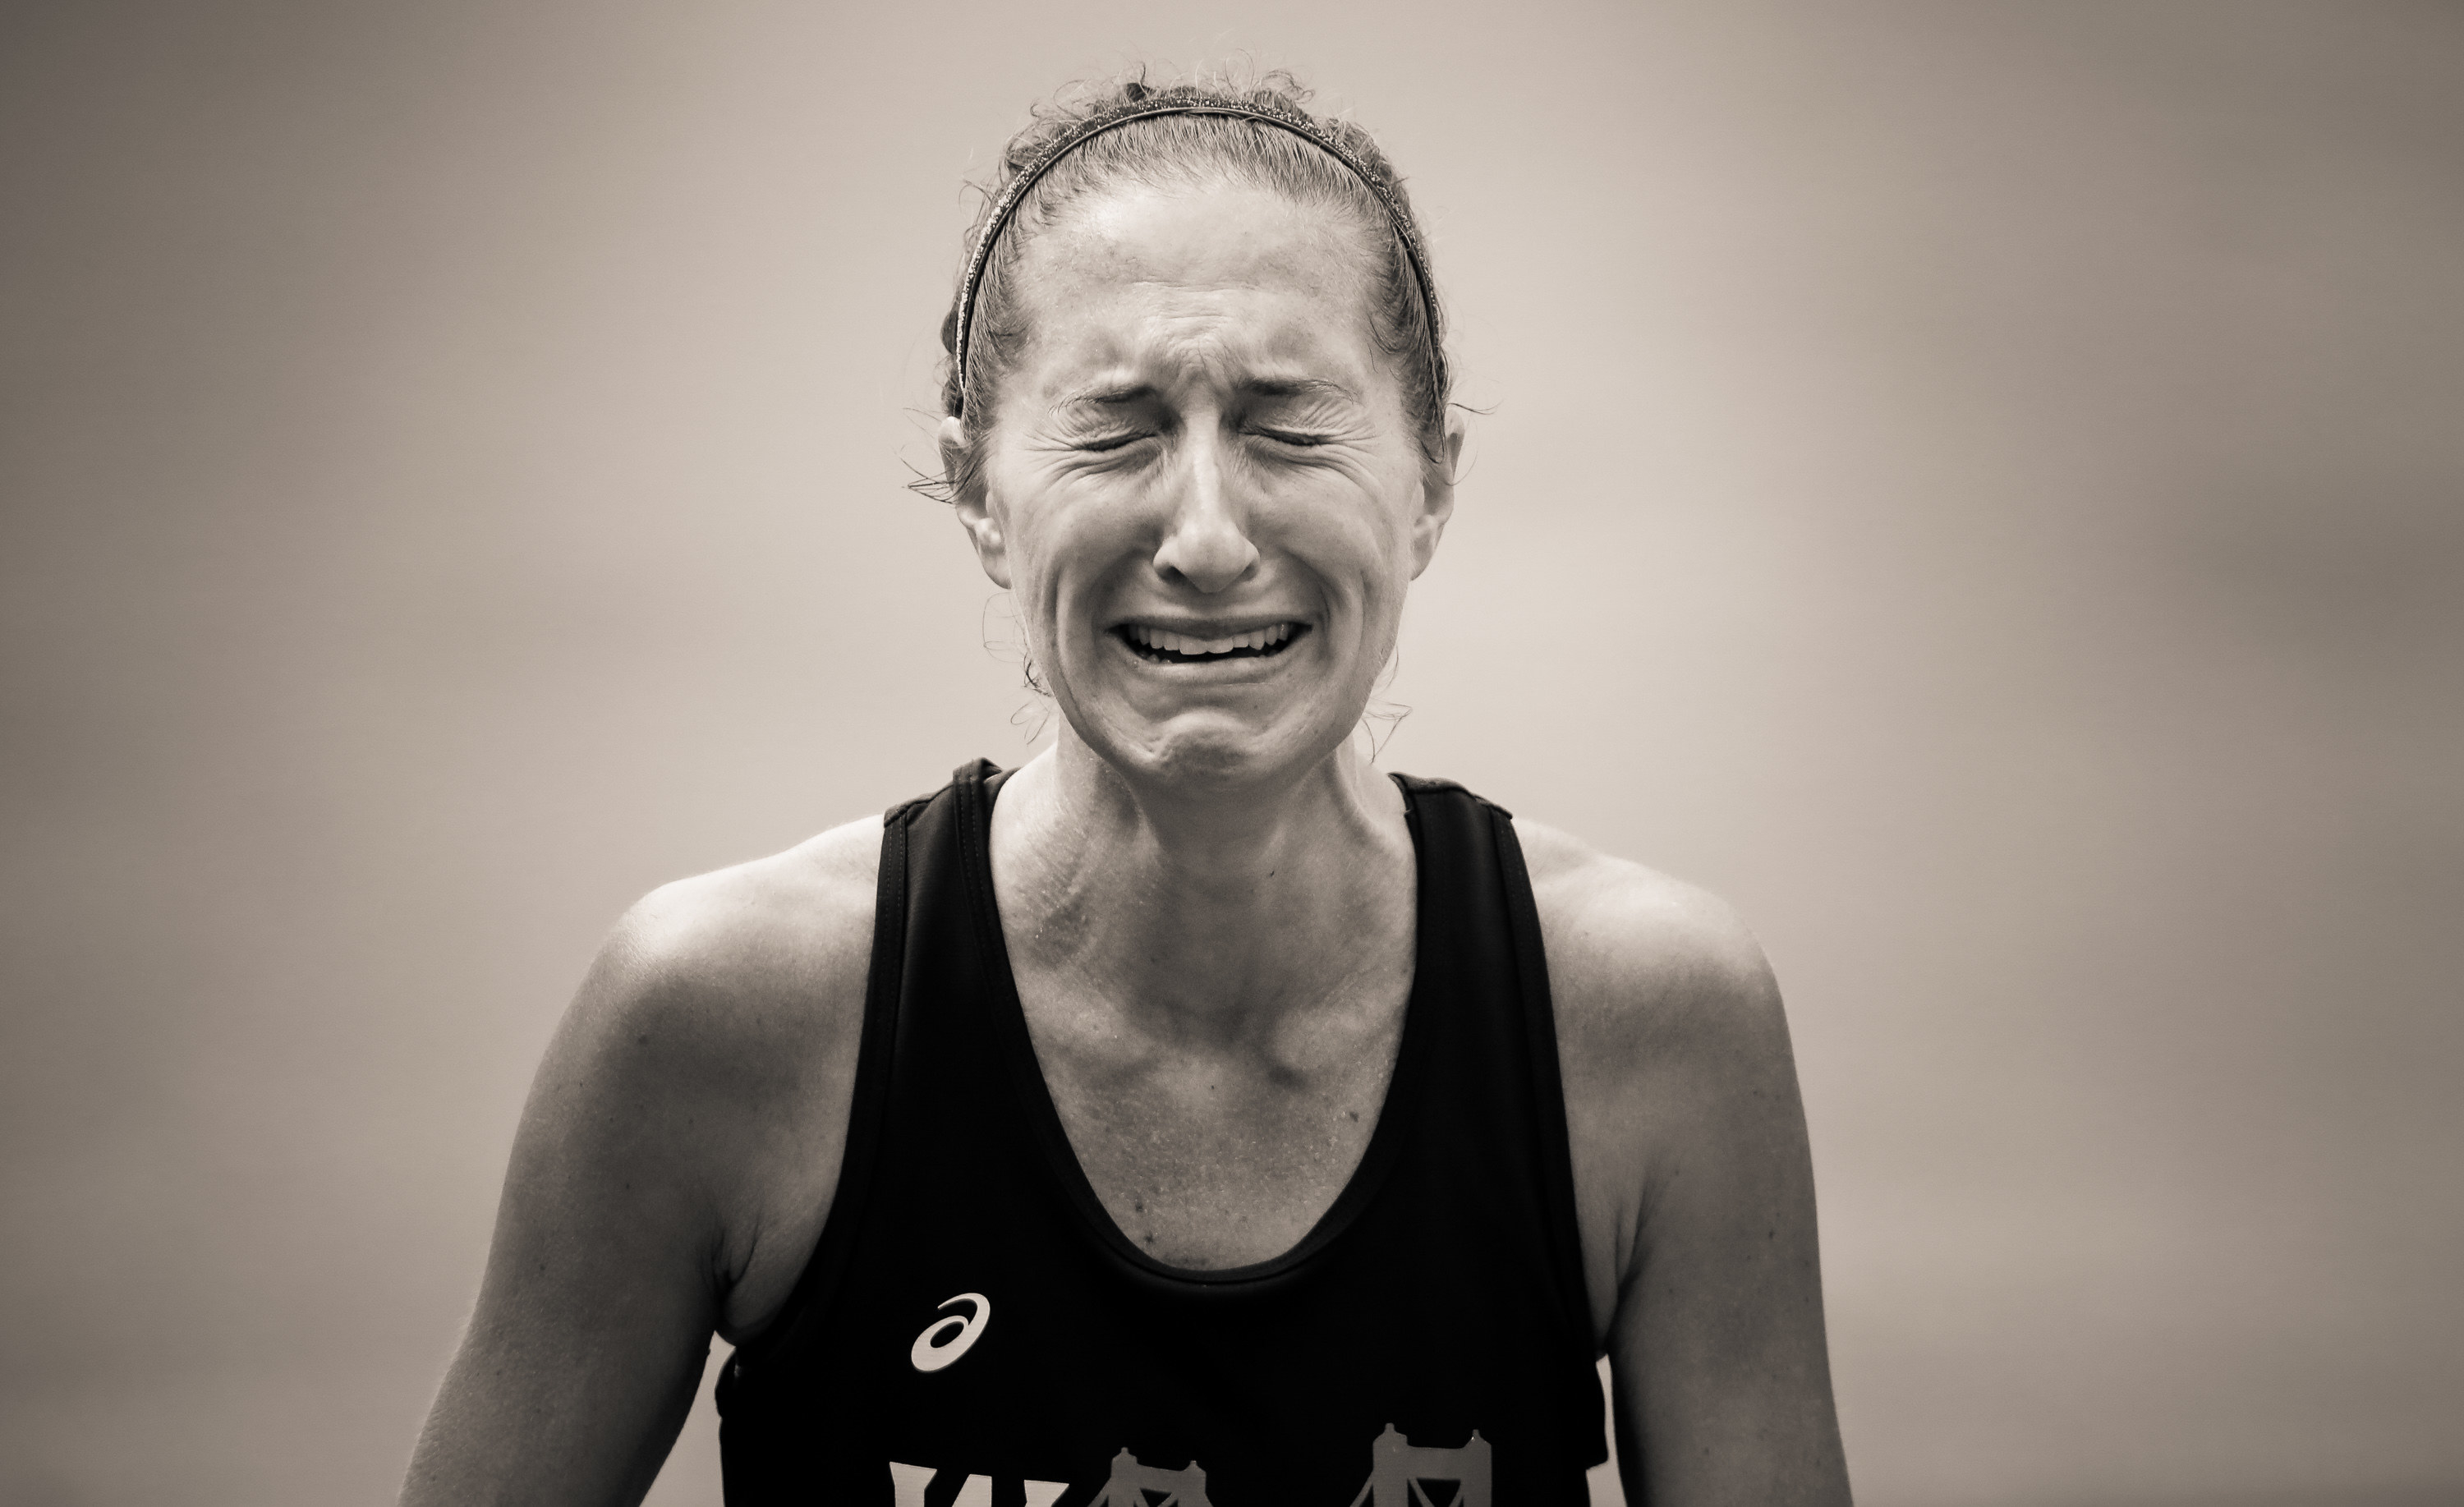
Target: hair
column 1190, row 151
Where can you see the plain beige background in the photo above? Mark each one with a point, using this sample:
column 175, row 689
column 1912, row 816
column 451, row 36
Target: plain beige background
column 1979, row 486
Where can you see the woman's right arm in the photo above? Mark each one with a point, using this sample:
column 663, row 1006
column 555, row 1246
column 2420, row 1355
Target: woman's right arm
column 671, row 1172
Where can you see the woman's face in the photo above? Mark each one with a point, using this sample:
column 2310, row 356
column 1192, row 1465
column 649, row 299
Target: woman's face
column 1201, row 484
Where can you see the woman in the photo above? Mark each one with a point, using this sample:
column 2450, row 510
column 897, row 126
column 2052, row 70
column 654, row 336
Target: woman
column 1194, row 1114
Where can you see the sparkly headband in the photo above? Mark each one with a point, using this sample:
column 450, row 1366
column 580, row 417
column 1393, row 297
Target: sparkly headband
column 1280, row 116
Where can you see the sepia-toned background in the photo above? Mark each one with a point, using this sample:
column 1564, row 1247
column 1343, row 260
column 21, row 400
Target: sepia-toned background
column 1980, row 486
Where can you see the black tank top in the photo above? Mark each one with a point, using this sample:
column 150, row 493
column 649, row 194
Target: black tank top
column 974, row 1331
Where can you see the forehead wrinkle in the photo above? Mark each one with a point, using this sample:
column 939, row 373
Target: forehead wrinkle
column 1278, row 356
column 1116, row 389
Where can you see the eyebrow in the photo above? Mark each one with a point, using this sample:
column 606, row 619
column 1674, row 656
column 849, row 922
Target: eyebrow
column 1108, row 396
column 1294, row 387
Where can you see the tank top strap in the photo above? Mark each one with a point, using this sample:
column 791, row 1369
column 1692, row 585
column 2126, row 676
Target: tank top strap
column 1480, row 910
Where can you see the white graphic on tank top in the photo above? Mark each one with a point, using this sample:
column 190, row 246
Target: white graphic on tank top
column 1399, row 1472
column 1136, row 1485
column 945, row 1339
column 1401, row 1475
column 910, row 1482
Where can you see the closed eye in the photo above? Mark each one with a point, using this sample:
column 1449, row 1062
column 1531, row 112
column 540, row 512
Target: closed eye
column 1292, row 437
column 1108, row 441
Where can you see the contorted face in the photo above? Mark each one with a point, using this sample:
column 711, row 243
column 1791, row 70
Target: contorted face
column 1201, row 485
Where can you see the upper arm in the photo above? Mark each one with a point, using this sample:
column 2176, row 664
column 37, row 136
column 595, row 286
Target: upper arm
column 1695, row 1187
column 710, row 1044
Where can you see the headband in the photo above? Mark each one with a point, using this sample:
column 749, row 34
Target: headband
column 1281, row 117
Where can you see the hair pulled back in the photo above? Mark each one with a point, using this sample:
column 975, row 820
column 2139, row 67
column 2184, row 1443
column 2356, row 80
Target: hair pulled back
column 1191, row 151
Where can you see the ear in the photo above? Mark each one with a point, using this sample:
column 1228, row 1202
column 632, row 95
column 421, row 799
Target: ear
column 975, row 513
column 1437, row 496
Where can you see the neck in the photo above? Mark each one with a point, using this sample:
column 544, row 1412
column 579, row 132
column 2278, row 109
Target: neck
column 1206, row 915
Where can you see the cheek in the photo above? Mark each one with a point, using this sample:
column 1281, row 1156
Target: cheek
column 1066, row 547
column 1347, row 534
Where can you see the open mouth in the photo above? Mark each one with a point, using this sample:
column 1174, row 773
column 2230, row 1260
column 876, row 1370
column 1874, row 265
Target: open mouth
column 1159, row 647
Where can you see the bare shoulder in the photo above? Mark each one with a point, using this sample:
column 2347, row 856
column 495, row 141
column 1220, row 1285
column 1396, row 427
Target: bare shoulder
column 730, row 965
column 1642, row 965
column 710, row 1053
column 779, row 926
column 1674, row 1054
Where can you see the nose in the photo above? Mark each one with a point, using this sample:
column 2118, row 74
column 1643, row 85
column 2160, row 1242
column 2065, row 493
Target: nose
column 1203, row 543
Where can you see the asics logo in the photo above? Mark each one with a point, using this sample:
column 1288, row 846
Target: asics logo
column 945, row 1339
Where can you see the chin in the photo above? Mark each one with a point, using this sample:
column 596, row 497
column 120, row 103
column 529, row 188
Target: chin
column 1214, row 749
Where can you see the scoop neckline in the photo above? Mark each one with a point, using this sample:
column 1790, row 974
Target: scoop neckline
column 1017, row 1048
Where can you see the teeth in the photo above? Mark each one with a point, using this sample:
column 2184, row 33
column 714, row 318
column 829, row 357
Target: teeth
column 1255, row 639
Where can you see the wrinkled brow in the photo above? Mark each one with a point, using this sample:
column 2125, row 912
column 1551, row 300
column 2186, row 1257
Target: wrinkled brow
column 1117, row 393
